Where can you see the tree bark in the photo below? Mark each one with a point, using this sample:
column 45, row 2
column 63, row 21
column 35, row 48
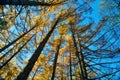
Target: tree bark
column 78, row 56
column 82, row 60
column 25, row 73
column 70, row 67
column 55, row 61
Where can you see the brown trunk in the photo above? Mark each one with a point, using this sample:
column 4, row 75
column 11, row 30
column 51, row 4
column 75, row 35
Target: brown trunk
column 82, row 60
column 78, row 56
column 55, row 61
column 70, row 67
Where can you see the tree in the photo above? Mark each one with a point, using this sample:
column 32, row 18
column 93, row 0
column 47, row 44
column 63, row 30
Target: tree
column 58, row 40
column 35, row 56
column 62, row 32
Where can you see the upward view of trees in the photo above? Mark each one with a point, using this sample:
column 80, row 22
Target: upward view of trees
column 59, row 39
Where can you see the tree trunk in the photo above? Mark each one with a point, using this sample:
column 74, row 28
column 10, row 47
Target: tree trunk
column 70, row 67
column 55, row 61
column 78, row 56
column 82, row 59
column 25, row 73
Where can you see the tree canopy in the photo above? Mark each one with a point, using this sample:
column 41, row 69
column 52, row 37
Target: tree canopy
column 59, row 39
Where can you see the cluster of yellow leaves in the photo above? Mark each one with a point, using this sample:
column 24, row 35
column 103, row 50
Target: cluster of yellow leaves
column 63, row 29
column 36, row 21
column 1, row 8
column 1, row 45
column 4, row 36
column 77, row 76
column 63, row 12
column 62, row 50
column 46, row 73
column 60, row 73
column 56, row 42
column 10, row 71
column 68, row 38
column 41, row 58
column 11, row 18
column 26, row 37
column 30, row 23
column 72, row 49
column 66, row 59
column 71, row 20
column 10, row 23
column 92, row 74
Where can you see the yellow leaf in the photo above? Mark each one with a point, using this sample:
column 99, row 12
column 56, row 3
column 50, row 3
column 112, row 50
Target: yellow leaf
column 63, row 29
column 92, row 74
column 71, row 20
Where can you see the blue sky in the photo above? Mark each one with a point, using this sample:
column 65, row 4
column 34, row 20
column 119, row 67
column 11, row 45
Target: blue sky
column 96, row 17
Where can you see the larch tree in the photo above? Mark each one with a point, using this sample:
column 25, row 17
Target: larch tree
column 58, row 40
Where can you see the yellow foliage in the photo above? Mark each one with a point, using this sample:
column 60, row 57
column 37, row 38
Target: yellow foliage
column 1, row 45
column 40, row 59
column 77, row 73
column 29, row 23
column 62, row 50
column 68, row 38
column 72, row 49
column 66, row 59
column 42, row 56
column 63, row 29
column 11, row 18
column 63, row 12
column 9, row 71
column 46, row 74
column 56, row 42
column 71, row 20
column 37, row 20
column 92, row 74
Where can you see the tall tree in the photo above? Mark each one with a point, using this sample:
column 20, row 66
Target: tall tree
column 23, row 75
column 89, row 51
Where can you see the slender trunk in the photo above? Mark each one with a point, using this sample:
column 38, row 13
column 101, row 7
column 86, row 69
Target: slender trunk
column 70, row 67
column 82, row 60
column 5, row 47
column 62, row 67
column 78, row 56
column 27, row 2
column 25, row 73
column 55, row 61
column 15, row 53
column 84, row 66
